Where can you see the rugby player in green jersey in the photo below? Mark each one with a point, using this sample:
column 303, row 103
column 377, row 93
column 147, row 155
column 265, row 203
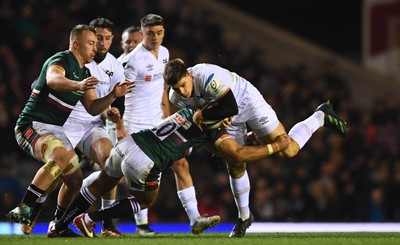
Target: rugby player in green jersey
column 141, row 158
column 63, row 81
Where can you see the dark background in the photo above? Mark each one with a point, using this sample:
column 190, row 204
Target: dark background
column 334, row 25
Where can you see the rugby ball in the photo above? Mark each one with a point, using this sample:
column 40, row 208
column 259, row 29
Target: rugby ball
column 211, row 124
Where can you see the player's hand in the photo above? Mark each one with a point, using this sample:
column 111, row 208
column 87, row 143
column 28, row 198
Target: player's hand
column 88, row 83
column 226, row 123
column 253, row 139
column 113, row 114
column 120, row 89
column 120, row 134
column 283, row 141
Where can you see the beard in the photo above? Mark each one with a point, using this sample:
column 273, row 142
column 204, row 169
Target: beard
column 99, row 57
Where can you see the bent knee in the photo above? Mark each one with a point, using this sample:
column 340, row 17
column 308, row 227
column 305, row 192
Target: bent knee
column 74, row 181
column 236, row 169
column 181, row 166
column 290, row 152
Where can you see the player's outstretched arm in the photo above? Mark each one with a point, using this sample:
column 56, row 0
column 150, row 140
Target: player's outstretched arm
column 231, row 150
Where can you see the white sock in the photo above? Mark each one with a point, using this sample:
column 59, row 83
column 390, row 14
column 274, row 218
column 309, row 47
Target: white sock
column 189, row 203
column 241, row 192
column 106, row 202
column 141, row 217
column 302, row 131
column 90, row 179
column 87, row 219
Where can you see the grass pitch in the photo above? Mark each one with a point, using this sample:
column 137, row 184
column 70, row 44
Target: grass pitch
column 361, row 238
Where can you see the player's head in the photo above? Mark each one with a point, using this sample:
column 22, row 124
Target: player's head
column 104, row 34
column 178, row 78
column 130, row 38
column 82, row 43
column 152, row 27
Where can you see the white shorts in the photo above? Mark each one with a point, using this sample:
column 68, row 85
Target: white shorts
column 133, row 126
column 128, row 160
column 112, row 131
column 83, row 135
column 58, row 131
column 261, row 119
column 26, row 135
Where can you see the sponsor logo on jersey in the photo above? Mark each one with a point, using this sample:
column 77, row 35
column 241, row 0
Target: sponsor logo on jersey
column 182, row 121
column 75, row 76
column 109, row 73
column 156, row 76
column 147, row 78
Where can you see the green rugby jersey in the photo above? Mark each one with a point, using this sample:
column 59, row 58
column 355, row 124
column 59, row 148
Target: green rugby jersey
column 47, row 105
column 173, row 138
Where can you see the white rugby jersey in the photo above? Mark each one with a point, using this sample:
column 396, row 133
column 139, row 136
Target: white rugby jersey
column 142, row 67
column 211, row 82
column 109, row 72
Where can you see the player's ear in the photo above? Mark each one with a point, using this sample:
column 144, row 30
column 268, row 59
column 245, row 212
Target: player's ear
column 75, row 44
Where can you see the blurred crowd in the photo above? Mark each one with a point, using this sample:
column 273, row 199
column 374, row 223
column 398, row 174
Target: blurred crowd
column 333, row 179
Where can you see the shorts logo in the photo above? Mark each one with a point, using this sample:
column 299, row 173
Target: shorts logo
column 263, row 120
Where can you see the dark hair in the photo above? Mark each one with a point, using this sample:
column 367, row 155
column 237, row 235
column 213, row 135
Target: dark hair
column 151, row 20
column 102, row 23
column 132, row 29
column 174, row 71
column 79, row 29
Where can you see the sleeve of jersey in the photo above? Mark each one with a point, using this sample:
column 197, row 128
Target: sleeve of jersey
column 120, row 75
column 59, row 62
column 174, row 99
column 226, row 106
column 130, row 69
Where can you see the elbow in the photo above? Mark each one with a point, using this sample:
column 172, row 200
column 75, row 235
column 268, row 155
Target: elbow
column 92, row 112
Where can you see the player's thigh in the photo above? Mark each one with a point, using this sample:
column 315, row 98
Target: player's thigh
column 95, row 143
column 265, row 124
column 136, row 166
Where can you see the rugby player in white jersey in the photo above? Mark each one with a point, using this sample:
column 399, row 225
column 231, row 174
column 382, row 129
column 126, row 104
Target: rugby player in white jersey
column 130, row 38
column 147, row 103
column 88, row 133
column 195, row 86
